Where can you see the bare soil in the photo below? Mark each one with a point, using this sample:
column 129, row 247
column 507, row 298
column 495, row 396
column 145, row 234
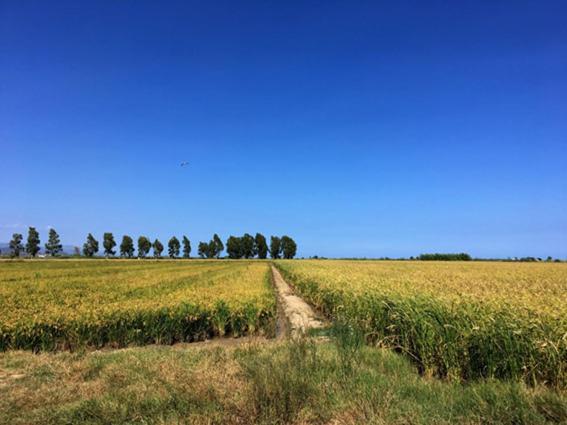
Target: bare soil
column 297, row 315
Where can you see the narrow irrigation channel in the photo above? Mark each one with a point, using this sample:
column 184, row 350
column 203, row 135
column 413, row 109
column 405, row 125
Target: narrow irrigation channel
column 295, row 316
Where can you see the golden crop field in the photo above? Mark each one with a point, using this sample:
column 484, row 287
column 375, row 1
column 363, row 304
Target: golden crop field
column 70, row 303
column 456, row 319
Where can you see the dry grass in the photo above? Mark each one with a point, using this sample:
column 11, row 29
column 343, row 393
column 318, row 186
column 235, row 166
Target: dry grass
column 301, row 382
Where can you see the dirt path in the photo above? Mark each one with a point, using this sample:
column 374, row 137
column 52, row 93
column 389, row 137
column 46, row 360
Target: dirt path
column 295, row 316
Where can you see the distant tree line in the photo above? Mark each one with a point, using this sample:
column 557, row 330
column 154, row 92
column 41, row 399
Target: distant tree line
column 248, row 246
column 535, row 259
column 445, row 257
column 211, row 249
column 245, row 246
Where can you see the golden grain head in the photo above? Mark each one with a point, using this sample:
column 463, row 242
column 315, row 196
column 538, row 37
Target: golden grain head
column 65, row 291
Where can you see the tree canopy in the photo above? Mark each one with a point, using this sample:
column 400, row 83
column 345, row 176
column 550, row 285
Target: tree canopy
column 158, row 248
column 288, row 247
column 275, row 247
column 211, row 249
column 247, row 242
column 16, row 245
column 260, row 246
column 217, row 246
column 90, row 247
column 245, row 246
column 445, row 257
column 127, row 247
column 108, row 244
column 53, row 246
column 186, row 247
column 144, row 246
column 203, row 249
column 173, row 247
column 233, row 247
column 32, row 244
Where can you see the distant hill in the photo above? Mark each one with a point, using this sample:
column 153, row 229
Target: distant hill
column 5, row 249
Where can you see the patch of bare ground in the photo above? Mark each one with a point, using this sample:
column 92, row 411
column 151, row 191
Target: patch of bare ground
column 216, row 342
column 297, row 316
column 6, row 377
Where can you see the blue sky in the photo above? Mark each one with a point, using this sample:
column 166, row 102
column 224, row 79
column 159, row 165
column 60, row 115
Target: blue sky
column 358, row 128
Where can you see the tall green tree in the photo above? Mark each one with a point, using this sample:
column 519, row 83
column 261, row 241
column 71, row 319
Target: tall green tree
column 233, row 247
column 275, row 247
column 211, row 249
column 288, row 247
column 32, row 244
column 203, row 249
column 144, row 246
column 260, row 246
column 53, row 245
column 158, row 248
column 127, row 247
column 247, row 243
column 16, row 246
column 186, row 247
column 218, row 246
column 90, row 247
column 173, row 247
column 108, row 244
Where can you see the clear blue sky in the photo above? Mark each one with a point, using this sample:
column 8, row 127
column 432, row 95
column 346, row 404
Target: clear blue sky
column 360, row 129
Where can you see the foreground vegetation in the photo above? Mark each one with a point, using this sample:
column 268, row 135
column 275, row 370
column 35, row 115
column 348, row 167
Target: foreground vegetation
column 453, row 319
column 68, row 304
column 299, row 382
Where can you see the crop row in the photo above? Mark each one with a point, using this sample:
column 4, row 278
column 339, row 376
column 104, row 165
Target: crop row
column 447, row 335
column 76, row 304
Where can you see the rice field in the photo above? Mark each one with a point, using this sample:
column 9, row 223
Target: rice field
column 459, row 320
column 65, row 304
column 453, row 319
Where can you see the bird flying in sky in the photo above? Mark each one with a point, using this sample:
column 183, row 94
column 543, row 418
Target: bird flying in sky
column 184, row 163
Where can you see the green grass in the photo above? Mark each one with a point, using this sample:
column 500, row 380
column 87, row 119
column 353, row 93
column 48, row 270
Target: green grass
column 302, row 381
